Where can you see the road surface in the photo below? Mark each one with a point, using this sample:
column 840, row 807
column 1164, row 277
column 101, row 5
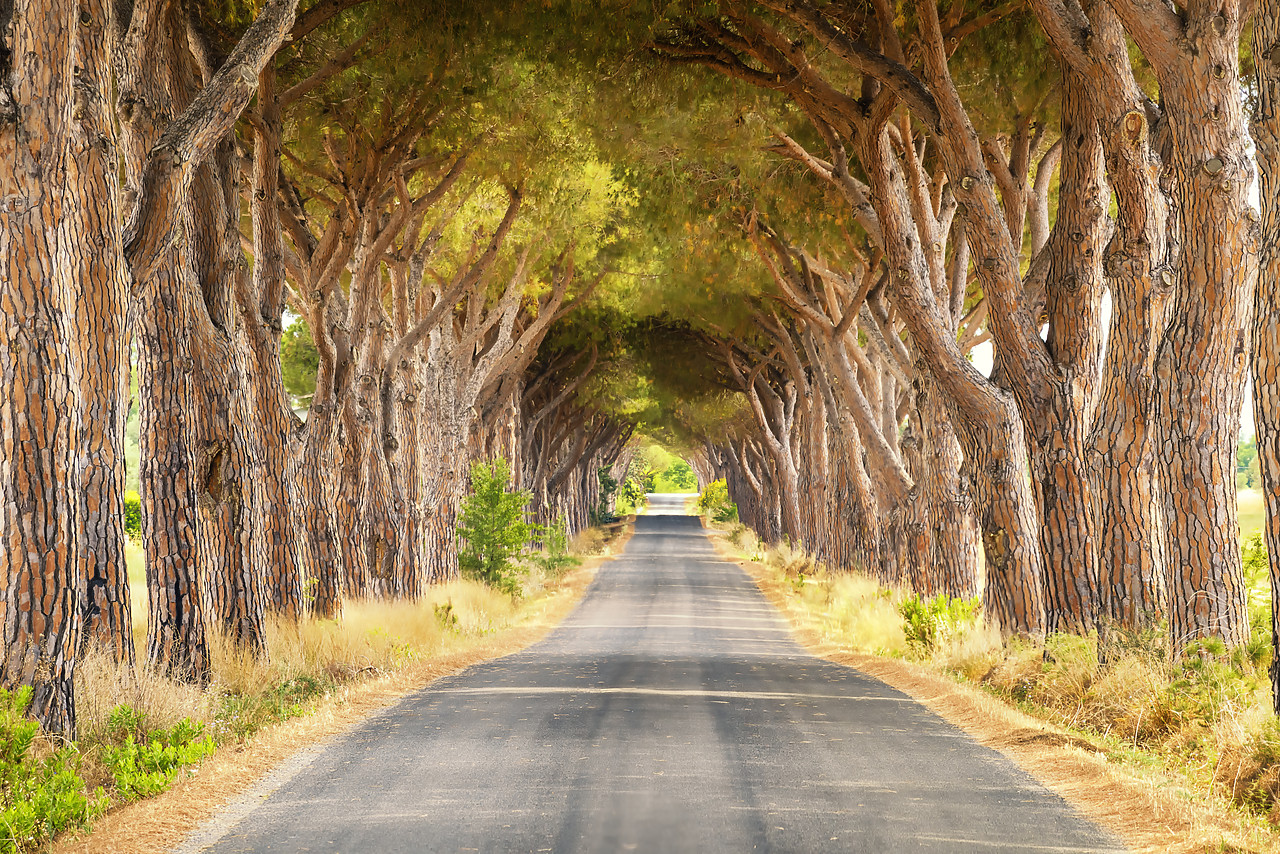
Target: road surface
column 671, row 712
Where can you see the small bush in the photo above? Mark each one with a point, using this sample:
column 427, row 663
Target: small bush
column 492, row 528
column 554, row 559
column 39, row 797
column 445, row 616
column 601, row 514
column 133, row 515
column 927, row 623
column 242, row 714
column 143, row 768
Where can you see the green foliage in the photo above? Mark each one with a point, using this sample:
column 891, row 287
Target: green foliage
column 299, row 362
column 492, row 528
column 715, row 495
column 146, row 767
column 554, row 558
column 679, row 476
column 241, row 715
column 667, row 472
column 1208, row 681
column 445, row 616
column 929, row 622
column 133, row 515
column 714, row 502
column 39, row 797
column 635, row 486
column 601, row 514
column 1248, row 465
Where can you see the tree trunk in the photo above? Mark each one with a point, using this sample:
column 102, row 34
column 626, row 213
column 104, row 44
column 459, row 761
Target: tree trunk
column 951, row 567
column 311, row 471
column 91, row 239
column 262, row 312
column 1266, row 324
column 1127, row 514
column 39, row 413
column 1200, row 367
column 1060, row 433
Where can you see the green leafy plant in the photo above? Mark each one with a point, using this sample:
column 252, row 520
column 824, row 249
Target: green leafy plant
column 145, row 767
column 133, row 515
column 929, row 622
column 492, row 528
column 39, row 797
column 601, row 514
column 241, row 715
column 445, row 616
column 714, row 502
column 555, row 558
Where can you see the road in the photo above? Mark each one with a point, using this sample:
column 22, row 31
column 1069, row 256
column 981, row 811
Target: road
column 671, row 712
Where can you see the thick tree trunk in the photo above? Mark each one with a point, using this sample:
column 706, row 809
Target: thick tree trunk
column 951, row 566
column 91, row 243
column 311, row 470
column 262, row 310
column 230, row 542
column 176, row 624
column 1127, row 515
column 1060, row 434
column 1266, row 324
column 987, row 422
column 446, row 481
column 1200, row 367
column 39, row 411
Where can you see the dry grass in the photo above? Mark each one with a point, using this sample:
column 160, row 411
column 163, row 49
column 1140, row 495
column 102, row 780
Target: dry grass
column 1122, row 742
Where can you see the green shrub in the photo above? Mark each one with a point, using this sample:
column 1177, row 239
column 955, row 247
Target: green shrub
column 928, row 622
column 38, row 797
column 241, row 715
column 133, row 515
column 492, row 528
column 601, row 514
column 714, row 502
column 554, row 558
column 144, row 768
column 715, row 495
column 677, row 477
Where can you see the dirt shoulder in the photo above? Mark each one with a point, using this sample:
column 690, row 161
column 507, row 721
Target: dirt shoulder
column 1150, row 809
column 161, row 823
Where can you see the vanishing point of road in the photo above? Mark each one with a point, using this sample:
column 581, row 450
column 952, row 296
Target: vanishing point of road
column 671, row 712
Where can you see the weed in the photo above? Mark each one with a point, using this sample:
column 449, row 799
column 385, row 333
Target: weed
column 146, row 767
column 929, row 622
column 40, row 795
column 445, row 616
column 554, row 559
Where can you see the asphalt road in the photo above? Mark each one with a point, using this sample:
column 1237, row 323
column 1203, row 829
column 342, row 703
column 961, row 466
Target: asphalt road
column 670, row 712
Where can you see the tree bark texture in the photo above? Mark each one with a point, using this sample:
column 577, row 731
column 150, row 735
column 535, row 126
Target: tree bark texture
column 1201, row 362
column 39, row 414
column 90, row 241
column 1265, row 127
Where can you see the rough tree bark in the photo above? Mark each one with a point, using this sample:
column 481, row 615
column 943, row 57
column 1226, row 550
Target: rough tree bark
column 1265, row 126
column 99, row 281
column 1200, row 366
column 39, row 415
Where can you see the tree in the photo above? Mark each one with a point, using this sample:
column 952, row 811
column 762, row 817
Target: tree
column 39, row 417
column 492, row 528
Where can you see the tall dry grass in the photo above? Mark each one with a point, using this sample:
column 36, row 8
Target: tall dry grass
column 303, row 660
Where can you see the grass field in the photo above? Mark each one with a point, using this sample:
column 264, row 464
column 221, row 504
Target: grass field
column 1252, row 512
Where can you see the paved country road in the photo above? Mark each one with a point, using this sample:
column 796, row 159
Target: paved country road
column 670, row 712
